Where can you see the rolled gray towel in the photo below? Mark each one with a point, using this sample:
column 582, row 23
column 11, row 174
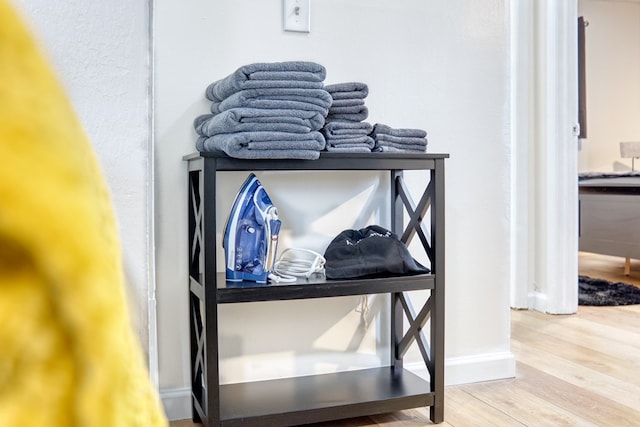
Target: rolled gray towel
column 275, row 74
column 270, row 145
column 348, row 90
column 390, row 146
column 253, row 119
column 380, row 128
column 317, row 100
column 400, row 140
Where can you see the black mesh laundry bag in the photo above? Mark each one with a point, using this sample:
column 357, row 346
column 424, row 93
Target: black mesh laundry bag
column 369, row 252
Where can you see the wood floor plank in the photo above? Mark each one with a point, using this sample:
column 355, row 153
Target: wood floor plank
column 626, row 392
column 463, row 408
column 528, row 409
column 608, row 268
column 600, row 360
column 592, row 325
column 620, row 319
column 630, row 308
column 574, row 330
column 410, row 418
column 582, row 403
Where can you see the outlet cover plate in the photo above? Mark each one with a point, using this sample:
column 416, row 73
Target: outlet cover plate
column 297, row 15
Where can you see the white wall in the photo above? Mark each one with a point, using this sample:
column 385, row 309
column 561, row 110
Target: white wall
column 441, row 66
column 100, row 53
column 613, row 85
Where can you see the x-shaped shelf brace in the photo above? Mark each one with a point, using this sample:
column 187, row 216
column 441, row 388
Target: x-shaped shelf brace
column 416, row 215
column 196, row 244
column 415, row 226
column 198, row 364
column 195, row 269
column 414, row 333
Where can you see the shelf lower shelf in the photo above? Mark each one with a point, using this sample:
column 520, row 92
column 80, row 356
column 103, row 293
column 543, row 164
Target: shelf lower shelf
column 234, row 292
column 316, row 398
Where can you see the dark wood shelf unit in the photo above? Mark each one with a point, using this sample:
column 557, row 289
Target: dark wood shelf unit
column 316, row 398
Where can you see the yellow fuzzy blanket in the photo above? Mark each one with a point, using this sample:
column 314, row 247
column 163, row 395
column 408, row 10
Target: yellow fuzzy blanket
column 68, row 354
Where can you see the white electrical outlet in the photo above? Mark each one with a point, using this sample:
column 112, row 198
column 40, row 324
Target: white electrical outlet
column 297, row 15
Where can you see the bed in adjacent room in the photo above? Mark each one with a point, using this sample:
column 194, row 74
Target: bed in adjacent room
column 609, row 209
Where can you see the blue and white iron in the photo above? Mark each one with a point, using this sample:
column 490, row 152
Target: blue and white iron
column 251, row 234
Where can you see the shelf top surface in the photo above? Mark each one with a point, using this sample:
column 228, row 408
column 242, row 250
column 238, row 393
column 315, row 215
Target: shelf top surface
column 327, row 161
column 330, row 155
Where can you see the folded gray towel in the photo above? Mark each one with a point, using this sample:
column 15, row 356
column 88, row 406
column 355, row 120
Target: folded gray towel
column 352, row 109
column 317, row 100
column 315, row 96
column 256, row 119
column 390, row 146
column 355, row 148
column 267, row 145
column 386, row 149
column 380, row 128
column 360, row 137
column 349, row 102
column 312, row 119
column 246, row 153
column 352, row 117
column 400, row 140
column 277, row 74
column 336, row 128
column 262, row 84
column 356, row 140
column 230, row 122
column 347, row 90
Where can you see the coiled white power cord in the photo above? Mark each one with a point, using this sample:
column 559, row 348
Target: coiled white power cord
column 297, row 262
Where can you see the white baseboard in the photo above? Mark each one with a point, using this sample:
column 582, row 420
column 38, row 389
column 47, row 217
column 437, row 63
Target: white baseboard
column 458, row 370
column 482, row 367
column 177, row 403
column 538, row 301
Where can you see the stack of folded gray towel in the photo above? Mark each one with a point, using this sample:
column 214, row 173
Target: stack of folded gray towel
column 388, row 139
column 348, row 101
column 267, row 111
column 345, row 129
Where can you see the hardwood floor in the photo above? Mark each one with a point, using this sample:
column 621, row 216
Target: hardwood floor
column 572, row 370
column 609, row 268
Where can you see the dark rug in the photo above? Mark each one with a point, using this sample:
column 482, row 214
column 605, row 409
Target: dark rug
column 601, row 292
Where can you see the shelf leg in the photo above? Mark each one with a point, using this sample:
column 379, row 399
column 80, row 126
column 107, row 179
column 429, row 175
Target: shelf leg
column 396, row 332
column 627, row 266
